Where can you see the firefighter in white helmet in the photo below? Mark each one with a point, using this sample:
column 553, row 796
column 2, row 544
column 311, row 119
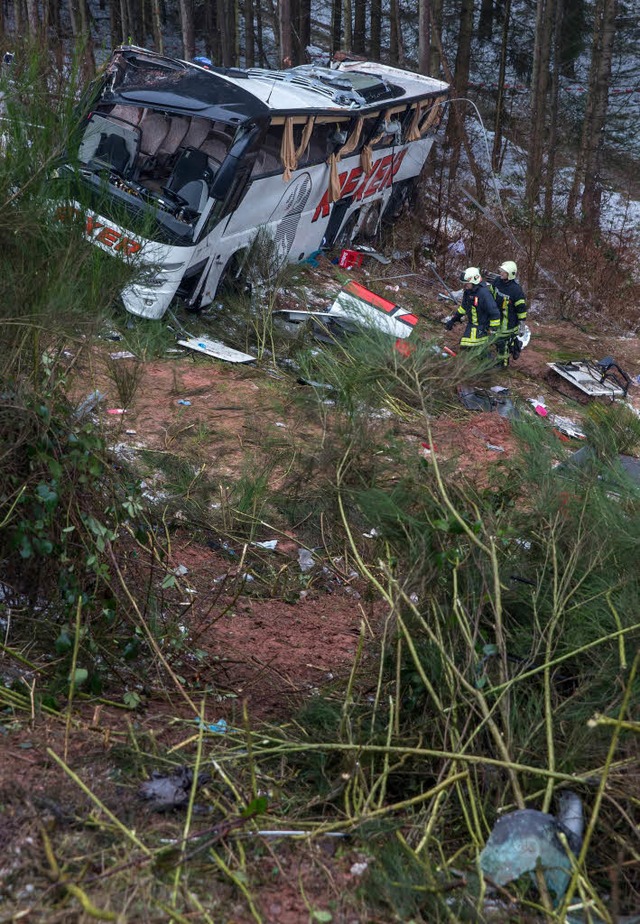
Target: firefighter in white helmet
column 513, row 310
column 478, row 308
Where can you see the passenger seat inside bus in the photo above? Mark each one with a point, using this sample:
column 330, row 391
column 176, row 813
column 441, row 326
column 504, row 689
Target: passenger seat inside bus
column 191, row 179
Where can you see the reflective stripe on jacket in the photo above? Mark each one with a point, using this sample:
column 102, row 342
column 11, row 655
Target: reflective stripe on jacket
column 512, row 303
column 482, row 314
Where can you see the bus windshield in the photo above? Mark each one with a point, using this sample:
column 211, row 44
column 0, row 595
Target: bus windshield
column 155, row 164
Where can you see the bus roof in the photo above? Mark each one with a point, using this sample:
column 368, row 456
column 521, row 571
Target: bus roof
column 140, row 77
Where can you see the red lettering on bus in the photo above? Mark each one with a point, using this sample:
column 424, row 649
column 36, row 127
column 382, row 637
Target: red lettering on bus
column 379, row 178
column 372, row 185
column 108, row 236
column 128, row 245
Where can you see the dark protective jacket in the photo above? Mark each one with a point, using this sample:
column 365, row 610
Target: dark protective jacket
column 512, row 303
column 482, row 314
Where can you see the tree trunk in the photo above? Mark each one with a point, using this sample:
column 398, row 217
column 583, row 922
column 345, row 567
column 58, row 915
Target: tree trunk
column 284, row 31
column 32, row 18
column 539, row 91
column 424, row 36
column 553, row 115
column 460, row 83
column 396, row 50
column 572, row 36
column 360, row 27
column 497, row 126
column 347, row 20
column 264, row 60
column 156, row 20
column 249, row 35
column 336, row 25
column 594, row 138
column 485, row 24
column 376, row 29
column 186, row 25
column 435, row 64
column 304, row 28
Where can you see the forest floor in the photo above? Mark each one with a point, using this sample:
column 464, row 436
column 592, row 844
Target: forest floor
column 256, row 649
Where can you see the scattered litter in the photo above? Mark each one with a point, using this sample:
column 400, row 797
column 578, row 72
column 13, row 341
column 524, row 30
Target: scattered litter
column 499, row 389
column 371, row 534
column 181, row 570
column 89, row 404
column 313, row 258
column 216, row 349
column 525, row 839
column 279, row 423
column 123, row 354
column 305, row 560
column 297, row 833
column 567, row 426
column 267, row 544
column 393, row 288
column 426, row 450
column 371, row 252
column 539, row 405
column 400, row 254
column 359, row 868
column 349, row 259
column 112, row 335
column 595, row 378
column 184, row 402
column 131, row 432
column 167, row 792
column 116, row 410
column 219, row 727
column 414, row 598
column 495, row 448
column 477, row 399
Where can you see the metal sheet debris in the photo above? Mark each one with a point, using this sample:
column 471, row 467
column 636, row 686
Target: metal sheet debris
column 355, row 308
column 597, row 379
column 216, row 349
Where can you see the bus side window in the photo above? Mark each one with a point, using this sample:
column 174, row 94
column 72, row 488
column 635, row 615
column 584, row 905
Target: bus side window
column 268, row 157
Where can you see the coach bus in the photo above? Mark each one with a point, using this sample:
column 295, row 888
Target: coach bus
column 178, row 165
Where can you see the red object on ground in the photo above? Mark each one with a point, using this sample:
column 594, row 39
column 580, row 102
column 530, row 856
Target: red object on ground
column 404, row 348
column 349, row 258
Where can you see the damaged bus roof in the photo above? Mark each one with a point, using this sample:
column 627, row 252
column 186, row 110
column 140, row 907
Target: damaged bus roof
column 136, row 76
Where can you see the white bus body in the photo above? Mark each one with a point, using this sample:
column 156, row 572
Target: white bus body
column 179, row 166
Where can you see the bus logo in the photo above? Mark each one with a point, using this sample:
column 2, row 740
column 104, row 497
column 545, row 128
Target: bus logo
column 99, row 233
column 379, row 177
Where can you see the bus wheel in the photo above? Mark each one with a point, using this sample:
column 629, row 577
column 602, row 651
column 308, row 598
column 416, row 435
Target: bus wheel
column 233, row 279
column 369, row 220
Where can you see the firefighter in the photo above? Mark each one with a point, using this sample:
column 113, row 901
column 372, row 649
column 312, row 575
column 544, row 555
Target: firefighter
column 513, row 310
column 478, row 308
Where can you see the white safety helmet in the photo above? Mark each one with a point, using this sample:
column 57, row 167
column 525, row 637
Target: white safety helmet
column 472, row 275
column 510, row 268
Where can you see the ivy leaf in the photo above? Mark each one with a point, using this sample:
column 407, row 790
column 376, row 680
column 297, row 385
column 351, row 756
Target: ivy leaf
column 257, row 806
column 63, row 643
column 131, row 700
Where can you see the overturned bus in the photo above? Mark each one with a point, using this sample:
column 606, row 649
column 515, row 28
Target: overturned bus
column 178, row 166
